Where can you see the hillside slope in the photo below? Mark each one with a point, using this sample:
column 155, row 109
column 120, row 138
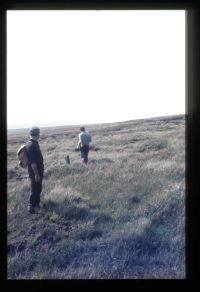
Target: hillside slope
column 120, row 217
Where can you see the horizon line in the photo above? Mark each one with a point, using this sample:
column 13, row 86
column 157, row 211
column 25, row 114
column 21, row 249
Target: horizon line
column 71, row 124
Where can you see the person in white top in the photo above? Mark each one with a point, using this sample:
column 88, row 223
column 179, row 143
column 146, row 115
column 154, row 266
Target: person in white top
column 83, row 144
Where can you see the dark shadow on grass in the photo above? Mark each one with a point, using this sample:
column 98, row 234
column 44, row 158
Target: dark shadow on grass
column 102, row 219
column 90, row 234
column 151, row 254
column 67, row 210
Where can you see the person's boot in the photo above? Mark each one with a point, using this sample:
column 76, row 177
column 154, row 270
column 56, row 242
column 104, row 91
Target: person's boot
column 31, row 209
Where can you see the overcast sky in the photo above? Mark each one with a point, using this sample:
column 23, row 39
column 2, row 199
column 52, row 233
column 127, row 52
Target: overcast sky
column 79, row 67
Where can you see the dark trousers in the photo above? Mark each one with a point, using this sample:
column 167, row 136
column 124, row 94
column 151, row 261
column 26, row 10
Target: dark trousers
column 84, row 153
column 36, row 189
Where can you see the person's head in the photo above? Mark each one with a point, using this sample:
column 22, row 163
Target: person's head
column 82, row 129
column 34, row 133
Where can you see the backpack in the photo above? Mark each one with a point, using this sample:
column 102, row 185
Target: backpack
column 23, row 156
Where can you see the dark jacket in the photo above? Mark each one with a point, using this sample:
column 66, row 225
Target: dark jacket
column 34, row 156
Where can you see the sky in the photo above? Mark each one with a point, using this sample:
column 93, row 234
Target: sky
column 83, row 67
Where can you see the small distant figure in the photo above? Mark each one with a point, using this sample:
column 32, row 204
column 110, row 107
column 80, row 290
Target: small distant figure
column 83, row 144
column 35, row 169
column 67, row 159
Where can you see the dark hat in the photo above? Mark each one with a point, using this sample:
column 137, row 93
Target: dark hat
column 82, row 128
column 34, row 131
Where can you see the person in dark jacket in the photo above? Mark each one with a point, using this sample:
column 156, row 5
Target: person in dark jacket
column 35, row 169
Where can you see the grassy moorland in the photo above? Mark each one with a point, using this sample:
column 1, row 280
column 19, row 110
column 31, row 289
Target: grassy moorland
column 120, row 217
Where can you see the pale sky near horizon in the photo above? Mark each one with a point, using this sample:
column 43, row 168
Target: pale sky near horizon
column 81, row 67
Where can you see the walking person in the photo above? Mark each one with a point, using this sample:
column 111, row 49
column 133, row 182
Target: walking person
column 35, row 169
column 83, row 144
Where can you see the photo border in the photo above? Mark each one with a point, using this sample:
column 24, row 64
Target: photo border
column 192, row 122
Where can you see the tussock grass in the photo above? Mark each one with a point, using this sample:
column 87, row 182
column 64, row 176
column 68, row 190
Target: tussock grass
column 120, row 217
